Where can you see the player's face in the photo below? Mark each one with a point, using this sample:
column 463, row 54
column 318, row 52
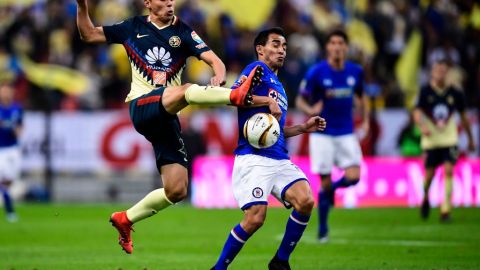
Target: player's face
column 439, row 71
column 161, row 9
column 337, row 48
column 274, row 52
column 6, row 94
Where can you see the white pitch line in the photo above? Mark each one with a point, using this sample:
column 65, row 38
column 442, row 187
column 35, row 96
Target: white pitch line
column 379, row 242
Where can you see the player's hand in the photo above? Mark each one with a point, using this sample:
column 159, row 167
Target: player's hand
column 81, row 2
column 315, row 123
column 274, row 109
column 425, row 131
column 215, row 80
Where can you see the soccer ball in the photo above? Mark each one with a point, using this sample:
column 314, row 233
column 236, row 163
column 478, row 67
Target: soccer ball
column 261, row 130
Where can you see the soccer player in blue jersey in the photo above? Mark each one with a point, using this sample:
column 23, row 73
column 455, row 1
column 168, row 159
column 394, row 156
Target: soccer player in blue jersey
column 329, row 89
column 157, row 46
column 257, row 173
column 11, row 116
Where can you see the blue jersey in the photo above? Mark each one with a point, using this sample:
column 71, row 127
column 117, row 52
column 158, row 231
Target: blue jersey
column 10, row 118
column 336, row 89
column 157, row 55
column 270, row 86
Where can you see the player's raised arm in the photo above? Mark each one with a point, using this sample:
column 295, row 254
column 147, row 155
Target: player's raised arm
column 88, row 32
column 218, row 67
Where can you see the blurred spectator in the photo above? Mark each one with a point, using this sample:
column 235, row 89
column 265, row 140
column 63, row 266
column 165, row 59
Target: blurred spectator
column 45, row 32
column 409, row 139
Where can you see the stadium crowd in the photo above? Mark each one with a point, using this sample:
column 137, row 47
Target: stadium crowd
column 34, row 32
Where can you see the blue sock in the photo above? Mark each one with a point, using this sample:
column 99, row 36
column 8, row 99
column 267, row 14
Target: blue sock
column 296, row 224
column 234, row 243
column 323, row 208
column 7, row 200
column 344, row 182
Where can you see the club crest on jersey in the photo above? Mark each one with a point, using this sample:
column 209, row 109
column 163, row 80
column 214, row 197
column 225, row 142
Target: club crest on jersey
column 351, row 81
column 257, row 192
column 196, row 37
column 273, row 94
column 154, row 55
column 327, row 82
column 175, row 41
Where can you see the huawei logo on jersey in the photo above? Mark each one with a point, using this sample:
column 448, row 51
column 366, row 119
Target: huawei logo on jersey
column 154, row 55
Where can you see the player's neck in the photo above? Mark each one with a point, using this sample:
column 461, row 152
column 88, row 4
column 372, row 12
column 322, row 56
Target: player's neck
column 336, row 64
column 438, row 86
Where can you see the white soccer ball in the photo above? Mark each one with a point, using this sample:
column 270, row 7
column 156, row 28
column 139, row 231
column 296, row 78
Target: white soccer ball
column 261, row 130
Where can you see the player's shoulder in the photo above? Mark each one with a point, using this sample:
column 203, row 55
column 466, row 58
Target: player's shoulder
column 180, row 26
column 352, row 66
column 456, row 91
column 317, row 69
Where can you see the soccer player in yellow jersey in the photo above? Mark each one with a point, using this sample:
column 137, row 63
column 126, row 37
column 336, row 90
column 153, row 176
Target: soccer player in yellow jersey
column 434, row 112
column 157, row 46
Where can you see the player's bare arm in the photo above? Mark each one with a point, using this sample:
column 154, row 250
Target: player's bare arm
column 88, row 32
column 259, row 101
column 418, row 119
column 303, row 106
column 466, row 126
column 315, row 123
column 218, row 67
column 365, row 113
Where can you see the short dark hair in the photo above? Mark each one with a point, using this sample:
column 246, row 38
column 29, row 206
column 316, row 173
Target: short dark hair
column 262, row 37
column 336, row 33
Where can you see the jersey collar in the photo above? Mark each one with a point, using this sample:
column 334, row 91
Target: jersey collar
column 174, row 21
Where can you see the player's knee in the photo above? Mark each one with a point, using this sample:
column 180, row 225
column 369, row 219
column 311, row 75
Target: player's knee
column 254, row 222
column 176, row 194
column 305, row 204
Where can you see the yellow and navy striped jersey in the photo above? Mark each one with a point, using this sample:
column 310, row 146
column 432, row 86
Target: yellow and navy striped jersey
column 439, row 107
column 157, row 54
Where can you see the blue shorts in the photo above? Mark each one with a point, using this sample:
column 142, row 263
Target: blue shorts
column 159, row 127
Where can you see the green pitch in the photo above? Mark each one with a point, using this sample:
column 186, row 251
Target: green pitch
column 50, row 237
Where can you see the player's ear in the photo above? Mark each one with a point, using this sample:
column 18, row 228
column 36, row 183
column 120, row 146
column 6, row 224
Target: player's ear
column 259, row 49
column 146, row 3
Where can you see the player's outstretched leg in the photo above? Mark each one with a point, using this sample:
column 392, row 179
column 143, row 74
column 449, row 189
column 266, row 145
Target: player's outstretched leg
column 124, row 226
column 242, row 95
column 212, row 95
column 148, row 206
column 323, row 209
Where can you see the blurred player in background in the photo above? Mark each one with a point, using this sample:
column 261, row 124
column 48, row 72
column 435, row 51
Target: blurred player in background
column 328, row 90
column 436, row 105
column 158, row 46
column 11, row 116
column 257, row 173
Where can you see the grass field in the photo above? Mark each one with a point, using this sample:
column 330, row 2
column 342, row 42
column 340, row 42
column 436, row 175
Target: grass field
column 50, row 237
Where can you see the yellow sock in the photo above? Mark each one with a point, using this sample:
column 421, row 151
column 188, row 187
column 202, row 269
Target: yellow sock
column 149, row 205
column 447, row 205
column 207, row 95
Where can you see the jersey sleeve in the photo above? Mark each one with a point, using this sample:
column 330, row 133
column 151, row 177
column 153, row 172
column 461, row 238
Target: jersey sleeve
column 118, row 32
column 359, row 87
column 309, row 85
column 194, row 42
column 460, row 101
column 421, row 102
